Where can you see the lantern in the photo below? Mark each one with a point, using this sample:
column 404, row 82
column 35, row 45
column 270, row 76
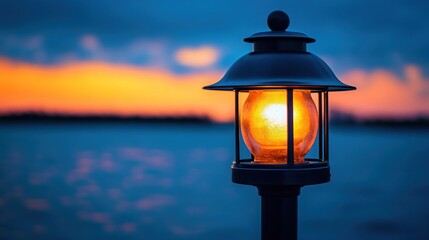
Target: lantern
column 279, row 121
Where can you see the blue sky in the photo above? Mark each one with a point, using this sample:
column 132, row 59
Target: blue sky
column 350, row 34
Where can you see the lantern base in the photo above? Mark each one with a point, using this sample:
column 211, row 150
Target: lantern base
column 308, row 173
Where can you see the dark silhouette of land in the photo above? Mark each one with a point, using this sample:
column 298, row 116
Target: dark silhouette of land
column 33, row 117
column 344, row 119
column 336, row 118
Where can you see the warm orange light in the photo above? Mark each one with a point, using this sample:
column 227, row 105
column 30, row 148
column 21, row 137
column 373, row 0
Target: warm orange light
column 264, row 125
column 99, row 88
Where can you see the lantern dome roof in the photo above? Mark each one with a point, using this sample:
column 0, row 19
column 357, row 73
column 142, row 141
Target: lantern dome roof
column 279, row 60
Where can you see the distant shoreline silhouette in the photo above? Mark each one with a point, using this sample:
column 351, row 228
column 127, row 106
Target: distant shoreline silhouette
column 31, row 117
column 336, row 118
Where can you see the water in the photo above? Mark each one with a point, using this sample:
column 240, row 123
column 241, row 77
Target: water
column 112, row 181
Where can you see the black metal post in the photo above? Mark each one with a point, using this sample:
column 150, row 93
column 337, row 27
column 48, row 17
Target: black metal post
column 279, row 212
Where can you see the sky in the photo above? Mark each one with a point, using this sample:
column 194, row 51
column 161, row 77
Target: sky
column 152, row 57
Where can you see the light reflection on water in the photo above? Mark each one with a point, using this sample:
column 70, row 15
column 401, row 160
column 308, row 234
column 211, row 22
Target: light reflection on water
column 173, row 182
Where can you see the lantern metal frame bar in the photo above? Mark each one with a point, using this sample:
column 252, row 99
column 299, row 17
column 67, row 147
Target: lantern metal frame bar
column 290, row 140
column 326, row 126
column 237, row 126
column 320, row 108
column 323, row 129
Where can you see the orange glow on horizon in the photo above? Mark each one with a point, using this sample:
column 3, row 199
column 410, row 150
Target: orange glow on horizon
column 382, row 94
column 102, row 88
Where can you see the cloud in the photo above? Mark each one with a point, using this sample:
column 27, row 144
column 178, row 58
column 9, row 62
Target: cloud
column 382, row 93
column 90, row 43
column 199, row 57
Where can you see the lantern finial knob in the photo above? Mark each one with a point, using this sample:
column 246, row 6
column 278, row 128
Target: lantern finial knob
column 278, row 21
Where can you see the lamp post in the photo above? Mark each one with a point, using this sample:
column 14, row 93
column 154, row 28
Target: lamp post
column 279, row 121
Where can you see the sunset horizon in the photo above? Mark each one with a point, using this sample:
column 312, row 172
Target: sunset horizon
column 100, row 88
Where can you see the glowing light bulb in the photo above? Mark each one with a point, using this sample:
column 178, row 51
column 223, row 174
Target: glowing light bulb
column 264, row 125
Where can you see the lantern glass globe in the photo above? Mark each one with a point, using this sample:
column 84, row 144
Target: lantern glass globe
column 264, row 125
